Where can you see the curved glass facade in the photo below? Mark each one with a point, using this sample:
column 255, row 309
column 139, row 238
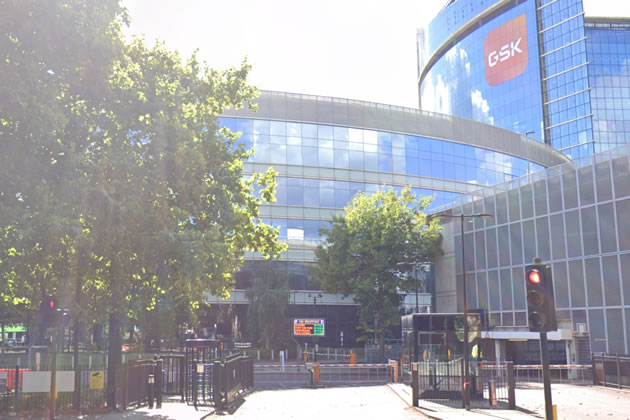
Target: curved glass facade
column 608, row 46
column 493, row 74
column 370, row 151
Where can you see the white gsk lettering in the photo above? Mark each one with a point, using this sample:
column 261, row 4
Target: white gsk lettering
column 504, row 53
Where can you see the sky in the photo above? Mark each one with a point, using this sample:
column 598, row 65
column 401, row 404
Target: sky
column 357, row 49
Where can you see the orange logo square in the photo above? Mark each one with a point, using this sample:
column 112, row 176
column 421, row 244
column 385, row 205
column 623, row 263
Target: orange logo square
column 505, row 51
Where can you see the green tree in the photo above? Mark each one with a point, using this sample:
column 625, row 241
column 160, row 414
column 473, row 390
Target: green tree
column 267, row 318
column 370, row 250
column 119, row 192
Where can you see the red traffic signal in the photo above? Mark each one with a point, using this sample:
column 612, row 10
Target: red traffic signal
column 541, row 308
column 533, row 276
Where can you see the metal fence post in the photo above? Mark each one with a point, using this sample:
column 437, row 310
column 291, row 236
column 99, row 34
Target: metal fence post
column 16, row 387
column 618, row 372
column 159, row 383
column 594, row 369
column 463, row 382
column 217, row 384
column 511, row 386
column 604, row 370
column 414, row 384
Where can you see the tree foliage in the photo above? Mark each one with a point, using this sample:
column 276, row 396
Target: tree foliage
column 370, row 250
column 267, row 317
column 119, row 191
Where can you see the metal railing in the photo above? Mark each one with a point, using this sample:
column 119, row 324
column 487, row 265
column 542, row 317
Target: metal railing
column 142, row 383
column 442, row 382
column 574, row 374
column 231, row 377
column 611, row 370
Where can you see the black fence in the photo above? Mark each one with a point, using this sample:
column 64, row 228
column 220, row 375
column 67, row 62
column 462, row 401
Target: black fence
column 611, row 370
column 142, row 383
column 231, row 377
column 442, row 382
column 173, row 374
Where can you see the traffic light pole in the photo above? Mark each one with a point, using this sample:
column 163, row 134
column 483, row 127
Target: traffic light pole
column 53, row 375
column 544, row 354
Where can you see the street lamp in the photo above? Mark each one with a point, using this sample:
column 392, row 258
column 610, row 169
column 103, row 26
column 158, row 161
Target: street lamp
column 461, row 218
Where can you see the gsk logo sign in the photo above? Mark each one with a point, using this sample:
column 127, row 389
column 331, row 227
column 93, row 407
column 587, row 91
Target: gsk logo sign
column 505, row 51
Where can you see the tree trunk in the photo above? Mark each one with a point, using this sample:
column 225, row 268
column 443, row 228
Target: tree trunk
column 114, row 357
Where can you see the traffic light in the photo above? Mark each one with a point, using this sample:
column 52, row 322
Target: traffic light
column 541, row 307
column 48, row 311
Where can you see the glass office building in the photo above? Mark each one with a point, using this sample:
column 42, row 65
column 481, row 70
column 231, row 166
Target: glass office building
column 327, row 149
column 533, row 66
column 570, row 74
column 572, row 216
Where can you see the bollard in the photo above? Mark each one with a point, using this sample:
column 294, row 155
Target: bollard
column 511, row 386
column 150, row 385
column 353, row 359
column 317, row 377
column 492, row 392
column 259, row 355
column 415, row 392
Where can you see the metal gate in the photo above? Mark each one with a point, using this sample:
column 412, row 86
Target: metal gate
column 491, row 385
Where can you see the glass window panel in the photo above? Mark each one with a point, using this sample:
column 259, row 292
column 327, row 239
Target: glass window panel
column 508, row 319
column 482, row 290
column 623, row 221
column 561, row 285
column 612, row 290
column 278, row 154
column 589, row 231
column 471, row 290
column 480, row 250
column 489, row 208
column 542, row 238
column 324, row 132
column 597, row 330
column 614, row 323
column 572, row 220
column 516, row 242
column 341, row 159
column 504, row 246
column 370, row 161
column 310, row 156
column 506, row 290
column 529, row 241
column 625, row 277
column 569, row 186
column 540, row 194
column 602, row 181
column 593, row 282
column 494, row 290
column 355, row 160
column 340, row 133
column 587, row 194
column 527, row 204
column 326, row 197
column 514, row 205
column 627, row 330
column 558, row 248
column 501, row 208
column 518, row 284
column 520, row 319
column 555, row 194
column 621, row 175
column 491, row 242
column 608, row 233
column 326, row 157
column 469, row 250
column 576, row 284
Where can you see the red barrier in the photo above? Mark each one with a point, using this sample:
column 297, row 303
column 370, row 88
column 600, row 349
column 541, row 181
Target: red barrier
column 11, row 377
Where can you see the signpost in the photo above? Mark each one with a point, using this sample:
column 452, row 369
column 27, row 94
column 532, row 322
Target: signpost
column 303, row 327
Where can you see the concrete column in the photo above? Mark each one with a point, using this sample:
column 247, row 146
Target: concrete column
column 499, row 350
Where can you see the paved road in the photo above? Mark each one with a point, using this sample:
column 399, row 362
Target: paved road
column 576, row 402
column 365, row 403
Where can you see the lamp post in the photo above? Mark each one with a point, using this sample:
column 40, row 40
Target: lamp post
column 461, row 218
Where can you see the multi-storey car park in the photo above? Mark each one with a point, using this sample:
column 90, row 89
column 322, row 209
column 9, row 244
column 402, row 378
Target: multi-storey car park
column 326, row 149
